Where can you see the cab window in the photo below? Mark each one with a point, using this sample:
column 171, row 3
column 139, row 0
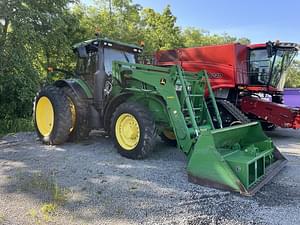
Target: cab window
column 87, row 65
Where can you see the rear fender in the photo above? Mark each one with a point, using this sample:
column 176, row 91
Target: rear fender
column 82, row 91
column 78, row 86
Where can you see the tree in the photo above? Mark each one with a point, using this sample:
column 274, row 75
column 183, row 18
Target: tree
column 293, row 75
column 119, row 21
column 193, row 37
column 122, row 20
column 32, row 34
column 160, row 30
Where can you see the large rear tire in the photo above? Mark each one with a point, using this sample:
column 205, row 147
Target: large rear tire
column 133, row 130
column 52, row 115
column 79, row 114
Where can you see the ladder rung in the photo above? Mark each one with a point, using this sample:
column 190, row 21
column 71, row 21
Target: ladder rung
column 190, row 79
column 196, row 117
column 195, row 95
column 194, row 109
column 188, row 96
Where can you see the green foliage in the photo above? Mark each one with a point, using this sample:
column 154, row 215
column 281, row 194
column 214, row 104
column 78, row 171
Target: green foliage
column 33, row 35
column 196, row 37
column 160, row 30
column 120, row 21
column 15, row 125
column 293, row 76
column 128, row 22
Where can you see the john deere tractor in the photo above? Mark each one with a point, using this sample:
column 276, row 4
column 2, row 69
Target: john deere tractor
column 134, row 103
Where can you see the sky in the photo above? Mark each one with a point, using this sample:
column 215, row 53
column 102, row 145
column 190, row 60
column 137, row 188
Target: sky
column 258, row 20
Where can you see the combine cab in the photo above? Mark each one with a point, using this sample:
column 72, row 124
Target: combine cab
column 250, row 77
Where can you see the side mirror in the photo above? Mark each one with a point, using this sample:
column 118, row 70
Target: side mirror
column 82, row 53
column 270, row 49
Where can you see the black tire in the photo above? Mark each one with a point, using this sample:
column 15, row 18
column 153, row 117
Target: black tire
column 80, row 128
column 62, row 115
column 167, row 140
column 146, row 123
column 268, row 126
column 229, row 113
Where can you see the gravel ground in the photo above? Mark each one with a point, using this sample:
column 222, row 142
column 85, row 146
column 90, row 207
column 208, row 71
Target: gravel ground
column 90, row 183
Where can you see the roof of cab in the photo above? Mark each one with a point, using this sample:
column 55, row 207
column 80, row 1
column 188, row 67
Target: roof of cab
column 105, row 42
column 277, row 44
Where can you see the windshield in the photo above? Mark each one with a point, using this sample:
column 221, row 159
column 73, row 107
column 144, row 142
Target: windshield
column 111, row 55
column 264, row 70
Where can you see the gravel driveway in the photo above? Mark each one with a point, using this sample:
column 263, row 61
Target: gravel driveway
column 90, row 183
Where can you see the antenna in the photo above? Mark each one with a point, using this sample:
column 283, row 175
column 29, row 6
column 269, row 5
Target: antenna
column 110, row 8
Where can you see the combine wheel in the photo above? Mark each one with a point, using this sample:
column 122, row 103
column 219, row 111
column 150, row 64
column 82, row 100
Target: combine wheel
column 133, row 130
column 79, row 113
column 51, row 115
column 268, row 126
column 230, row 115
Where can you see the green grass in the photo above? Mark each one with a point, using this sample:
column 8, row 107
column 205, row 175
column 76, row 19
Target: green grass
column 15, row 126
column 43, row 184
column 2, row 218
column 55, row 195
column 45, row 214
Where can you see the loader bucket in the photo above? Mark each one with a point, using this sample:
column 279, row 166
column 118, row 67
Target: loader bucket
column 240, row 158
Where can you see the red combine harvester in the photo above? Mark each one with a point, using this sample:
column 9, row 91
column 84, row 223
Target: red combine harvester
column 250, row 77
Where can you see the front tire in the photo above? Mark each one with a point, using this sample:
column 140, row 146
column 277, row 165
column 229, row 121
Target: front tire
column 168, row 137
column 51, row 115
column 133, row 130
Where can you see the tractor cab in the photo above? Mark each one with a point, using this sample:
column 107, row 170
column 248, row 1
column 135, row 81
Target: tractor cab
column 268, row 64
column 95, row 57
column 95, row 64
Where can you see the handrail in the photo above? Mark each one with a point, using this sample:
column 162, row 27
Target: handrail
column 212, row 97
column 187, row 101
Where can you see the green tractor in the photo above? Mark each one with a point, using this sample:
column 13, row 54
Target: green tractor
column 134, row 103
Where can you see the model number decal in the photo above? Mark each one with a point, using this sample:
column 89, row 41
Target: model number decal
column 215, row 75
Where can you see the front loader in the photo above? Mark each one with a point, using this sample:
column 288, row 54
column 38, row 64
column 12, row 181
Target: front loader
column 134, row 103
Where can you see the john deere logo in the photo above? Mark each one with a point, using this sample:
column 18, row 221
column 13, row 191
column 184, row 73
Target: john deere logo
column 163, row 81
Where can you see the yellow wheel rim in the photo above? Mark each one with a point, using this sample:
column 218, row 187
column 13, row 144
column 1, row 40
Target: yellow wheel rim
column 44, row 116
column 127, row 131
column 73, row 113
